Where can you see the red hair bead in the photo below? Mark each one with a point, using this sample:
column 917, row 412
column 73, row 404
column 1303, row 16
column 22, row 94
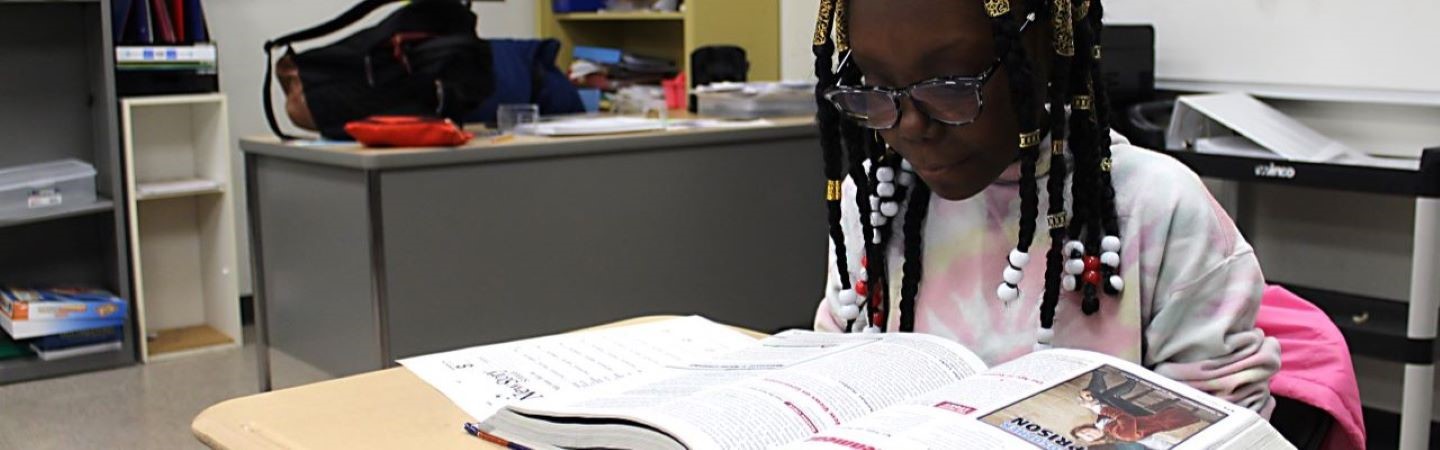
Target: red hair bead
column 1092, row 277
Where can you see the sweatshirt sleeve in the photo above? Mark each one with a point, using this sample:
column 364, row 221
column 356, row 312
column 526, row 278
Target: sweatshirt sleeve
column 1201, row 322
column 1204, row 335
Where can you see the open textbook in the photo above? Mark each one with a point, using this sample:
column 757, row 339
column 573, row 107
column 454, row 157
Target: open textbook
column 814, row 391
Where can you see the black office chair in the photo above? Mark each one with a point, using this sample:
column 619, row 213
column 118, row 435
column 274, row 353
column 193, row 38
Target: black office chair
column 1303, row 425
column 716, row 63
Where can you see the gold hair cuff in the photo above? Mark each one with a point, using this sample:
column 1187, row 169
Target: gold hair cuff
column 1082, row 102
column 1057, row 147
column 1030, row 139
column 1106, row 164
column 1082, row 11
column 1058, row 220
column 997, row 8
column 822, row 23
column 842, row 37
column 1097, row 53
column 832, row 190
column 1064, row 29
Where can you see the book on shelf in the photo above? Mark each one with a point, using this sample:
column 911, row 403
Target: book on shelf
column 81, row 338
column 802, row 390
column 78, row 343
column 165, row 22
column 28, row 313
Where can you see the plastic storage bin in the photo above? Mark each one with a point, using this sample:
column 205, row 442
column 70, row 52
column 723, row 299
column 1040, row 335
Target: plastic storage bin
column 46, row 185
column 755, row 100
column 569, row 6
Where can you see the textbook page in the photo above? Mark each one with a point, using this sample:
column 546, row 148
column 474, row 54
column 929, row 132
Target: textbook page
column 1057, row 400
column 791, row 386
column 482, row 379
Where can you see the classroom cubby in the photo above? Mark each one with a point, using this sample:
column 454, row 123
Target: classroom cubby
column 182, row 230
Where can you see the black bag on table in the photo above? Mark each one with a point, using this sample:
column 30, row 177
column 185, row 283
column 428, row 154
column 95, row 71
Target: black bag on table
column 425, row 59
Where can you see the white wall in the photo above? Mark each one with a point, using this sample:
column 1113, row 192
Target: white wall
column 241, row 26
column 1374, row 44
column 797, row 28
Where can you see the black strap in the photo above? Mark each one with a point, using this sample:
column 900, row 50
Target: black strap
column 265, row 96
column 354, row 14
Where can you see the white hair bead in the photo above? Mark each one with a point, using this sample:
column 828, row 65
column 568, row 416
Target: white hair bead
column 1111, row 259
column 875, row 239
column 858, row 326
column 1019, row 258
column 872, row 330
column 1073, row 247
column 849, row 312
column 1074, row 266
column 877, row 219
column 906, row 179
column 874, row 203
column 885, row 174
column 890, row 209
column 1117, row 283
column 885, row 189
column 1045, row 336
column 1007, row 293
column 1110, row 244
column 848, row 297
column 905, row 165
column 1068, row 283
column 1013, row 276
column 863, row 274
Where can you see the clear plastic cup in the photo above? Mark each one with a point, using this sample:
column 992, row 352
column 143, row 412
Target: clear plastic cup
column 511, row 118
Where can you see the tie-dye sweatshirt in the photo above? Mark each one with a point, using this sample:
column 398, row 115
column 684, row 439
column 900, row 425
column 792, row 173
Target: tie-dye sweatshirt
column 1192, row 283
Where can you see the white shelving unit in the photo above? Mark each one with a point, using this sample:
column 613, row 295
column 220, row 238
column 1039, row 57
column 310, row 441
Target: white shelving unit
column 182, row 226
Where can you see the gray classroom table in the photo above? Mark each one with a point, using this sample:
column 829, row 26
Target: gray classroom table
column 363, row 257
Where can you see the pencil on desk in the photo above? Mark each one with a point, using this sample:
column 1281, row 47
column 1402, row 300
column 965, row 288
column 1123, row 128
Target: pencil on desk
column 474, row 430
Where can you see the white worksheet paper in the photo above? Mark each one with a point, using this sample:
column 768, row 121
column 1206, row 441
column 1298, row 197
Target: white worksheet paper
column 482, row 379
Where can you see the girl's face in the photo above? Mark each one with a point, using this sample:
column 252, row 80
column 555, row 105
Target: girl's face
column 901, row 42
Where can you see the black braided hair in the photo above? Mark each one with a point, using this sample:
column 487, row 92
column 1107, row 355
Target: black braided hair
column 857, row 147
column 1060, row 15
column 915, row 212
column 830, row 138
column 1075, row 75
column 1109, row 219
column 1011, row 50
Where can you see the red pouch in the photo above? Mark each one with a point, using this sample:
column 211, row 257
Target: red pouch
column 407, row 131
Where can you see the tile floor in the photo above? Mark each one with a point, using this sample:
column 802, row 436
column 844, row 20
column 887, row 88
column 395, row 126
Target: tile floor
column 139, row 407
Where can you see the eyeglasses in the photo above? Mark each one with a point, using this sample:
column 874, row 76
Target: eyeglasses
column 954, row 100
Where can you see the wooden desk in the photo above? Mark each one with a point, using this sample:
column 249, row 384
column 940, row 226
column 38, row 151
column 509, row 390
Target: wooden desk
column 387, row 409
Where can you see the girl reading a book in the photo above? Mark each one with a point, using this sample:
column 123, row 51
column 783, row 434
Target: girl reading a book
column 976, row 192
